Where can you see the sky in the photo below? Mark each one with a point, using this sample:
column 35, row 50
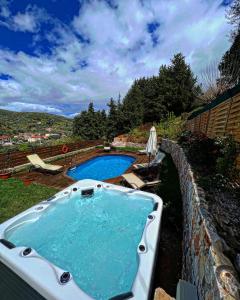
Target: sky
column 58, row 55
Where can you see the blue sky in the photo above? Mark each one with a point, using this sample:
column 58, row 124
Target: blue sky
column 57, row 55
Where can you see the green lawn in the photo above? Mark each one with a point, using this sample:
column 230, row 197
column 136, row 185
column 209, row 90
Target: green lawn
column 15, row 197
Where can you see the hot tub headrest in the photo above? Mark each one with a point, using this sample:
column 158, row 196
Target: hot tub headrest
column 7, row 244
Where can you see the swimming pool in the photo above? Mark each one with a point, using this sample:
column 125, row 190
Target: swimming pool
column 101, row 167
column 93, row 240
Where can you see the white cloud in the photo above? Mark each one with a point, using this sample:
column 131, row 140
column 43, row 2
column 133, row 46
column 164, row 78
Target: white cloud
column 25, row 22
column 29, row 21
column 21, row 106
column 119, row 50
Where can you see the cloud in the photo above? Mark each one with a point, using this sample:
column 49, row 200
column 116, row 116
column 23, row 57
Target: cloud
column 21, row 106
column 25, row 22
column 29, row 21
column 106, row 46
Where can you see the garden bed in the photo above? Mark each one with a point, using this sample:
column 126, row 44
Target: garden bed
column 213, row 162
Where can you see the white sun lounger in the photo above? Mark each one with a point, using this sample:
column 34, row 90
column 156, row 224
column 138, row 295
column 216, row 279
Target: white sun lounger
column 107, row 148
column 155, row 162
column 38, row 163
column 138, row 183
column 142, row 151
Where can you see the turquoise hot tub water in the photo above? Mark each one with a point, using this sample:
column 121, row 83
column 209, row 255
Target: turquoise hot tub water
column 102, row 167
column 94, row 238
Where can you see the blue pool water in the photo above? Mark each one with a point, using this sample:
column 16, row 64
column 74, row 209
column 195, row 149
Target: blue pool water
column 94, row 238
column 102, row 167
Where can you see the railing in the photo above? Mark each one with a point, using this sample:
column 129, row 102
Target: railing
column 8, row 160
column 219, row 118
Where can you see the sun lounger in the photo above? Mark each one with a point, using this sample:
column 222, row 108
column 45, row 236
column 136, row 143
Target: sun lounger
column 143, row 151
column 107, row 149
column 138, row 183
column 155, row 162
column 38, row 163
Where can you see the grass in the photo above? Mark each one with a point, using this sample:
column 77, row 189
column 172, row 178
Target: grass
column 15, row 197
column 129, row 149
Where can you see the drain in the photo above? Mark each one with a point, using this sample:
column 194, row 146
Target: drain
column 75, row 189
column 65, row 277
column 141, row 248
column 150, row 217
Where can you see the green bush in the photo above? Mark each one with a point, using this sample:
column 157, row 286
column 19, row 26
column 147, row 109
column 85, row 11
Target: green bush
column 211, row 156
column 139, row 135
column 171, row 127
column 226, row 163
column 64, row 140
column 23, row 147
column 202, row 151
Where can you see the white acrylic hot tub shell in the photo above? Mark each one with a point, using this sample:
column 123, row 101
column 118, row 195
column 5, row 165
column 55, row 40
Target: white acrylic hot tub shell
column 43, row 276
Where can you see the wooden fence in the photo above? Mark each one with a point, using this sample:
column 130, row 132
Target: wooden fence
column 219, row 118
column 16, row 158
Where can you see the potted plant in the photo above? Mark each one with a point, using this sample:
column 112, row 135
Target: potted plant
column 5, row 173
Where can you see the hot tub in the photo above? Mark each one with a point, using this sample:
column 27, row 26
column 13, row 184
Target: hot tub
column 92, row 240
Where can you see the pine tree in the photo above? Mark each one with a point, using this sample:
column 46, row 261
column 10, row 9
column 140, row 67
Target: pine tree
column 178, row 86
column 133, row 107
column 90, row 125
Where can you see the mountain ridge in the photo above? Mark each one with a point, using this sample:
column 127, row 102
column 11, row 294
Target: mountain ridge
column 13, row 122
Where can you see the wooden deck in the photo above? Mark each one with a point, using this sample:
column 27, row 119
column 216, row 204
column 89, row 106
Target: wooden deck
column 61, row 180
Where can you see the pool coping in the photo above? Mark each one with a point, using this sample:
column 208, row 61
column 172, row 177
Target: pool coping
column 110, row 180
column 13, row 258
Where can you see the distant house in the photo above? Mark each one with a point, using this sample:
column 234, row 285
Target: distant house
column 35, row 138
column 5, row 139
column 53, row 135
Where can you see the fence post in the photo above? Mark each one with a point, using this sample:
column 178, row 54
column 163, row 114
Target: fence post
column 208, row 119
column 228, row 113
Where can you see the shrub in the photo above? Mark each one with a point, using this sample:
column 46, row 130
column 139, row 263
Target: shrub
column 23, row 147
column 171, row 127
column 225, row 164
column 139, row 135
column 64, row 140
column 201, row 151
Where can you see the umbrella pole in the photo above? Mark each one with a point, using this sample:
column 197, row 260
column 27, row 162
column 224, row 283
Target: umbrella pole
column 149, row 158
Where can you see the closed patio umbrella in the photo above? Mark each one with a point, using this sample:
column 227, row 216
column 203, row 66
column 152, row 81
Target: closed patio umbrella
column 151, row 147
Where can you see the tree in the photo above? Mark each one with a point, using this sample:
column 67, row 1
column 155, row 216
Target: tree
column 214, row 81
column 115, row 119
column 233, row 15
column 229, row 66
column 178, row 86
column 133, row 106
column 90, row 125
column 175, row 90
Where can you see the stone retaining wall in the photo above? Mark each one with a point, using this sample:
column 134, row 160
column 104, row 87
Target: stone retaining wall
column 204, row 263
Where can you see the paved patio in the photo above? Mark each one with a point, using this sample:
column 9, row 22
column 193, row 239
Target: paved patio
column 61, row 181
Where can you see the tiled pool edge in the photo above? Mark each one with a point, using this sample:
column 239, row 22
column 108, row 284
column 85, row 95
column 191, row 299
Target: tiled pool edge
column 204, row 263
column 12, row 258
